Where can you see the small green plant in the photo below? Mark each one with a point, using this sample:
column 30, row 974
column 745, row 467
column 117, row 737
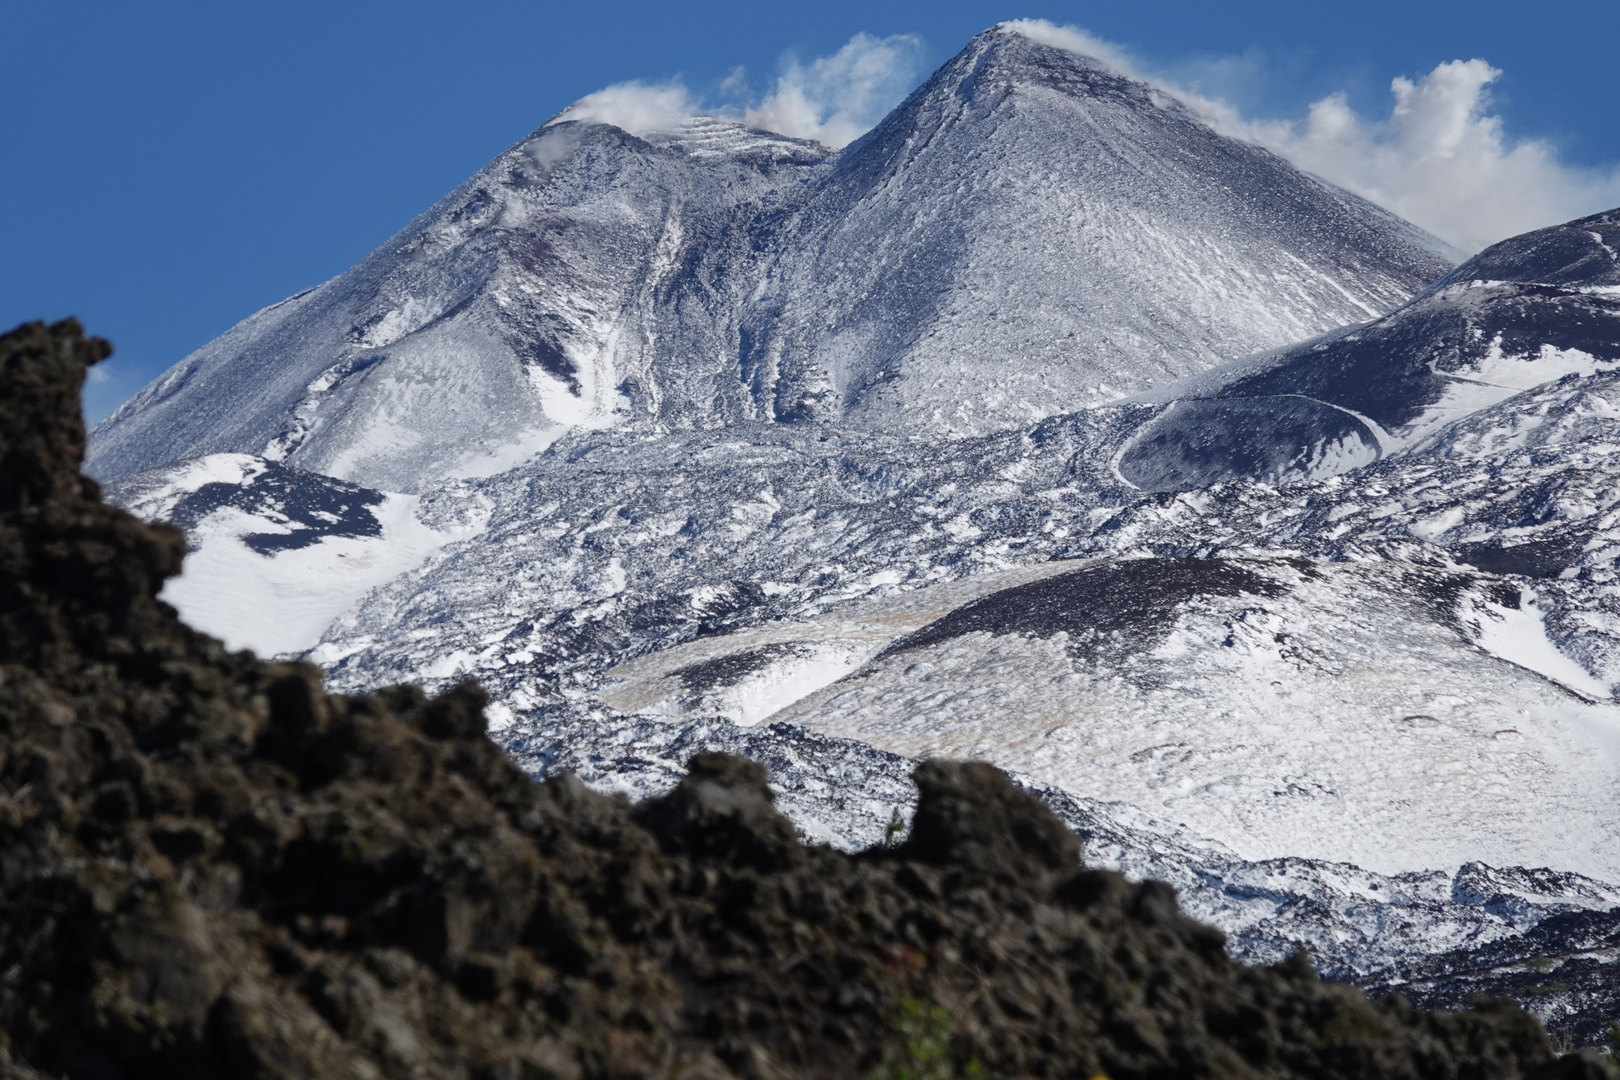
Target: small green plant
column 894, row 831
column 923, row 1031
column 1547, row 988
column 1614, row 1042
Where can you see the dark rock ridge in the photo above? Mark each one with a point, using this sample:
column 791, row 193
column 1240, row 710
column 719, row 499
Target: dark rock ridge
column 1095, row 606
column 214, row 868
column 1547, row 939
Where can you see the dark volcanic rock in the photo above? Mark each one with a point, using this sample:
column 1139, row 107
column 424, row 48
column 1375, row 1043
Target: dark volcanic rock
column 1112, row 606
column 1574, row 253
column 211, row 867
column 309, row 506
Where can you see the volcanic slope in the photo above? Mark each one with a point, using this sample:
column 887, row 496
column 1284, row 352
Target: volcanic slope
column 528, row 302
column 216, row 869
column 1031, row 233
column 1526, row 312
column 1027, row 234
column 762, row 568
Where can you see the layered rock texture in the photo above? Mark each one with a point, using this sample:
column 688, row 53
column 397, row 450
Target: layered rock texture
column 211, row 867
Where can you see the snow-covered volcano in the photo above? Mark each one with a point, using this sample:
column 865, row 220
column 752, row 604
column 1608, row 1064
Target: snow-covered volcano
column 1027, row 234
column 1030, row 233
column 714, row 438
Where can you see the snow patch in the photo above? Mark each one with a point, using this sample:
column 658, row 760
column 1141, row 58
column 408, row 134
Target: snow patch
column 281, row 604
column 1494, row 378
column 1519, row 636
column 508, row 456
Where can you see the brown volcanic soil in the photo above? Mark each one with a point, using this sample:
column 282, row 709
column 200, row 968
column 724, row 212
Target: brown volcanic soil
column 209, row 867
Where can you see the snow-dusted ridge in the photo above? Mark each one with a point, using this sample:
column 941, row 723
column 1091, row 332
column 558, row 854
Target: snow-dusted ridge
column 1523, row 313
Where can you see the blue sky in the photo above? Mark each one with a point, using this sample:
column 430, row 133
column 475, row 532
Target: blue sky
column 169, row 168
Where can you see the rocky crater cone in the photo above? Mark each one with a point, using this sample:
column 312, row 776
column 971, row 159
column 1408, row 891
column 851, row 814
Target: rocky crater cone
column 213, row 868
column 1028, row 234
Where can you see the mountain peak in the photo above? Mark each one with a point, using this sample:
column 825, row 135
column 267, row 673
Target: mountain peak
column 1030, row 233
column 1029, row 53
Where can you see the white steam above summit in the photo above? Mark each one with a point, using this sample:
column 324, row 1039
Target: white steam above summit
column 832, row 99
column 1441, row 158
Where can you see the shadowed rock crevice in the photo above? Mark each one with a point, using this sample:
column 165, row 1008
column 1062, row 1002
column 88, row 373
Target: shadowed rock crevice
column 210, row 867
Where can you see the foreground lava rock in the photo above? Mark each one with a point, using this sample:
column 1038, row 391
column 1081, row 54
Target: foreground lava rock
column 210, row 867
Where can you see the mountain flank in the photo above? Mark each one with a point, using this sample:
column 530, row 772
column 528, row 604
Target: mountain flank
column 212, row 867
column 1522, row 313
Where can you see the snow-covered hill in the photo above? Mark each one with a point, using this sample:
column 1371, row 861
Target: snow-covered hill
column 1547, row 937
column 1027, row 234
column 1521, row 314
column 275, row 553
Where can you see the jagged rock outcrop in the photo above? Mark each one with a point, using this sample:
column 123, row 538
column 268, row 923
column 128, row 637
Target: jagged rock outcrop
column 211, row 867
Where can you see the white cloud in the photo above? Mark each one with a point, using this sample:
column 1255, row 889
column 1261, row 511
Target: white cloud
column 1440, row 159
column 837, row 98
column 639, row 108
column 833, row 99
